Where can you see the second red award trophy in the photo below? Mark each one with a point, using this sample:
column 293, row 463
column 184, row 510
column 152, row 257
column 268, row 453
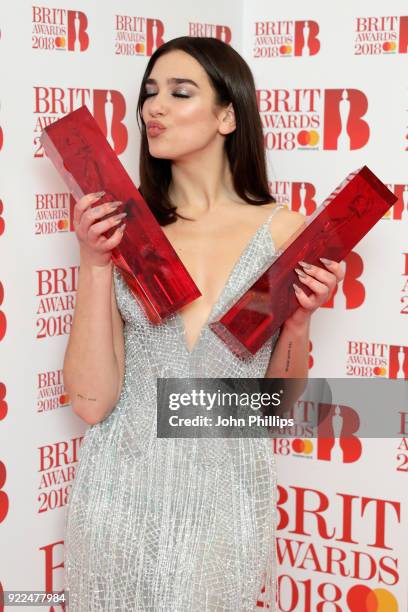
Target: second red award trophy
column 147, row 261
column 331, row 231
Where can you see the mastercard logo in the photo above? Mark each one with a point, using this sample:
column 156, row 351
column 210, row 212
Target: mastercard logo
column 389, row 47
column 62, row 225
column 361, row 598
column 380, row 371
column 60, row 42
column 64, row 399
column 302, row 446
column 285, row 49
column 308, row 138
column 139, row 47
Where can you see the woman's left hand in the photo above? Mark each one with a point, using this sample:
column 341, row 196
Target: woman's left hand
column 322, row 283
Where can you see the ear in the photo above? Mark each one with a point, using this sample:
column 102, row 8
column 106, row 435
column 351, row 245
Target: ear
column 227, row 120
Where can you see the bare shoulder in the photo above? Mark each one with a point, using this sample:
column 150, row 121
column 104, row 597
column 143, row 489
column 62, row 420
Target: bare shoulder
column 285, row 223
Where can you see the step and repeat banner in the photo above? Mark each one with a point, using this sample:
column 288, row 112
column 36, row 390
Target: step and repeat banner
column 332, row 95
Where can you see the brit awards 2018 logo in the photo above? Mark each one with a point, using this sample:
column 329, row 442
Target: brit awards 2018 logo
column 56, row 291
column 52, row 213
column 376, row 359
column 50, row 391
column 57, row 468
column 381, row 35
column 286, row 38
column 222, row 32
column 313, row 119
column 334, row 438
column 57, row 29
column 298, row 196
column 108, row 107
column 137, row 35
column 337, row 550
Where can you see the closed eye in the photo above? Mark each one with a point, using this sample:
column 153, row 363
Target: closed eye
column 175, row 95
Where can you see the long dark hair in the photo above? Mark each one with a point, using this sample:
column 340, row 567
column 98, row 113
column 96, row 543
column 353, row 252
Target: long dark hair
column 233, row 82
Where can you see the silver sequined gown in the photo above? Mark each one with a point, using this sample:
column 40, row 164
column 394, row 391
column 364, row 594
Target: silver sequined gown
column 174, row 525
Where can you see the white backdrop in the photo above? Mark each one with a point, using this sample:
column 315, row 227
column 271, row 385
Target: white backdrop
column 305, row 59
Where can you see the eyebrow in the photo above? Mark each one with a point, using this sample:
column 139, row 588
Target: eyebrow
column 175, row 80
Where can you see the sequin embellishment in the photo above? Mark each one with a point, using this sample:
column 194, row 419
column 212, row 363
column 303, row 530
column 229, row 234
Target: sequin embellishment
column 174, row 524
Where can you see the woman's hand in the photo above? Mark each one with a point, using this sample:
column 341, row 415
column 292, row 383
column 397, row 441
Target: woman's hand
column 322, row 283
column 95, row 248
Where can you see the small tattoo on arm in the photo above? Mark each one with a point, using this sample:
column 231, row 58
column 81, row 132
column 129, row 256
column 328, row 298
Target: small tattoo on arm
column 288, row 357
column 91, row 399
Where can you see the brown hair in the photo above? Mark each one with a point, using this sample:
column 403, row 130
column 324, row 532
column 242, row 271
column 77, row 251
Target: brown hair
column 233, row 82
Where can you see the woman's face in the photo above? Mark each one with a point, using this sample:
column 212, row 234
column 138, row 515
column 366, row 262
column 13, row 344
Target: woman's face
column 181, row 99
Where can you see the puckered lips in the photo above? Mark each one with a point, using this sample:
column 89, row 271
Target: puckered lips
column 155, row 128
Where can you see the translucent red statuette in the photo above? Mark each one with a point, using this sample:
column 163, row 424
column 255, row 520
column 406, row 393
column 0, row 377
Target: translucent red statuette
column 331, row 232
column 145, row 258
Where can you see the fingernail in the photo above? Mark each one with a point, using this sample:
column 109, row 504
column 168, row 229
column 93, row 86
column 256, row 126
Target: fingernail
column 327, row 262
column 122, row 227
column 304, row 265
column 296, row 288
column 114, row 204
column 99, row 194
column 300, row 273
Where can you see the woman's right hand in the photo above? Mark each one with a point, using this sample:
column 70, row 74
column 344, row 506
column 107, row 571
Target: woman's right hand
column 94, row 247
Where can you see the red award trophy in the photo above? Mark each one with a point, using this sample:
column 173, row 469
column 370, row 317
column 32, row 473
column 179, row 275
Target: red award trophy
column 148, row 263
column 331, row 231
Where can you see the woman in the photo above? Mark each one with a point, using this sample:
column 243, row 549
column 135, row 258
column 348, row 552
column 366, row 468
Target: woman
column 180, row 524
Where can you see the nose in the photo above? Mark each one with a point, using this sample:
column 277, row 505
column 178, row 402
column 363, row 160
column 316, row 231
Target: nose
column 156, row 105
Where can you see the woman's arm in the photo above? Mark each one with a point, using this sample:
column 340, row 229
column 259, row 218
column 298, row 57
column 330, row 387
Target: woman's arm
column 290, row 357
column 94, row 359
column 93, row 369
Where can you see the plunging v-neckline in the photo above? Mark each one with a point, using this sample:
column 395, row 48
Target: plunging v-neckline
column 178, row 315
